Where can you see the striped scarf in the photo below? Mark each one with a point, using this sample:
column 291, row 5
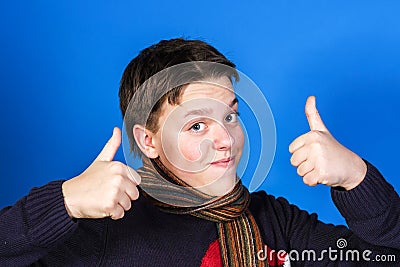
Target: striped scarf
column 239, row 236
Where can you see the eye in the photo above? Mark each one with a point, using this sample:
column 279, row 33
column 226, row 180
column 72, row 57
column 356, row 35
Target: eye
column 233, row 117
column 198, row 127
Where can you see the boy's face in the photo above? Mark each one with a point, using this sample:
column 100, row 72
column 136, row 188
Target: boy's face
column 201, row 140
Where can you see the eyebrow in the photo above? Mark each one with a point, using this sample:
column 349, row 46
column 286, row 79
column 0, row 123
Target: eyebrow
column 205, row 111
column 198, row 112
column 234, row 101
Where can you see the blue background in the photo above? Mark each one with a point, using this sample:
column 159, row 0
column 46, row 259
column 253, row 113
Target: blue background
column 61, row 64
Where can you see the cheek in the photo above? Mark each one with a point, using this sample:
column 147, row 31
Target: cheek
column 238, row 137
column 190, row 148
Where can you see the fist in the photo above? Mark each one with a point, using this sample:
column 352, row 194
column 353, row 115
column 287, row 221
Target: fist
column 105, row 189
column 320, row 159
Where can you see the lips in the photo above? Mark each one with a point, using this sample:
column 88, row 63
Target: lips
column 225, row 162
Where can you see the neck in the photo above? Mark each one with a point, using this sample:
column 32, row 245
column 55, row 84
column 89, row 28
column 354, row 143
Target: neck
column 220, row 187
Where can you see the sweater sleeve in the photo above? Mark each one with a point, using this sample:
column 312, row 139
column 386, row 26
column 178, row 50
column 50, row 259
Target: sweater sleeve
column 34, row 225
column 372, row 209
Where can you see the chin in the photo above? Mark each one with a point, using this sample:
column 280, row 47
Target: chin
column 220, row 186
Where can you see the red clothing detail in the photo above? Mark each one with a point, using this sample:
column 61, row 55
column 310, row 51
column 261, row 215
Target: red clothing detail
column 213, row 256
column 276, row 258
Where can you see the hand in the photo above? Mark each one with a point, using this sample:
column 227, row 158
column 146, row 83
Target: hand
column 320, row 159
column 105, row 189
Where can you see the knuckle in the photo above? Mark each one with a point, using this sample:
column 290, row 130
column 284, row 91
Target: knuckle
column 111, row 196
column 316, row 148
column 110, row 205
column 108, row 208
column 117, row 183
column 323, row 174
column 117, row 167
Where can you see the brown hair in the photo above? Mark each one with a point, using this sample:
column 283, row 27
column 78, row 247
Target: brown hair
column 154, row 59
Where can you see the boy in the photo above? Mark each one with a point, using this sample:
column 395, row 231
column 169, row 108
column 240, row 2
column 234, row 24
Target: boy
column 190, row 209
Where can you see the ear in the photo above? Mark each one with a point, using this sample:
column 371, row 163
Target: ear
column 144, row 140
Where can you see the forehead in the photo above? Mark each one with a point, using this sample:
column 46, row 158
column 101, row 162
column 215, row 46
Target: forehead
column 219, row 89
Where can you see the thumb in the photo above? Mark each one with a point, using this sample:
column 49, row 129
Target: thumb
column 111, row 147
column 313, row 117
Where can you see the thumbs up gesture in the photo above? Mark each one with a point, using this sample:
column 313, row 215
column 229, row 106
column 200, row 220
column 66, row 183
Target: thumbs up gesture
column 105, row 189
column 320, row 159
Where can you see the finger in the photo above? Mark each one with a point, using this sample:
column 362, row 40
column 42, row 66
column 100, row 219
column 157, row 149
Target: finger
column 304, row 168
column 131, row 190
column 133, row 175
column 125, row 201
column 315, row 177
column 111, row 147
column 299, row 156
column 310, row 178
column 117, row 213
column 313, row 117
column 297, row 143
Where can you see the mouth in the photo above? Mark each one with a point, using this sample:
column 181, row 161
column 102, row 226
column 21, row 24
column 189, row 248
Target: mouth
column 224, row 163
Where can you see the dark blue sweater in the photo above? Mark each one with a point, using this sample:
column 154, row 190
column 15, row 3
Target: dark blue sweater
column 38, row 231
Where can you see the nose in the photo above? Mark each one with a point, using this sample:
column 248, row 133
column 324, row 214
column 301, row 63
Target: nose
column 222, row 139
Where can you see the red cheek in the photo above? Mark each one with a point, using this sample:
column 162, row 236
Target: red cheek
column 190, row 148
column 191, row 151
